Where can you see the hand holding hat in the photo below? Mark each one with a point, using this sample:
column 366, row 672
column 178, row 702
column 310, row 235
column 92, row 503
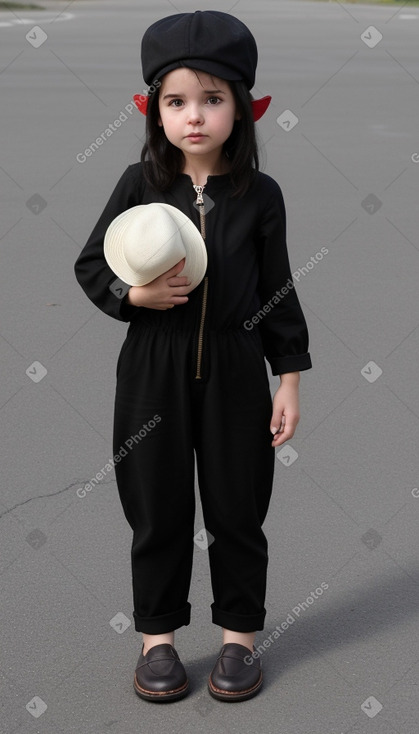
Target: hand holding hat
column 147, row 240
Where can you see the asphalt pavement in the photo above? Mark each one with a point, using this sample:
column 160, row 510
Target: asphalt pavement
column 340, row 137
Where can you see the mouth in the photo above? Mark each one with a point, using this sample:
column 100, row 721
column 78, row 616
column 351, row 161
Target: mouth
column 196, row 135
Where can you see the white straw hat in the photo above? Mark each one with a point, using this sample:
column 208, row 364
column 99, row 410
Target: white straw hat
column 145, row 241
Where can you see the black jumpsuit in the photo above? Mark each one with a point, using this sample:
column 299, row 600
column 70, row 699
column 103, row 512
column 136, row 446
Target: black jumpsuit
column 192, row 381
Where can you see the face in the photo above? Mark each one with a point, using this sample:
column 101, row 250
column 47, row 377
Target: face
column 205, row 106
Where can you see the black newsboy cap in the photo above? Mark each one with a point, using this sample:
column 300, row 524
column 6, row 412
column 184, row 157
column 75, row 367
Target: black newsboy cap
column 208, row 40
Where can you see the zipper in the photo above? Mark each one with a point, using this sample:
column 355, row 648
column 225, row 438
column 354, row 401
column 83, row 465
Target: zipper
column 200, row 201
column 198, row 375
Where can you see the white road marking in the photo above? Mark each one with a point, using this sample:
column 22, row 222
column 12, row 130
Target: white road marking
column 31, row 21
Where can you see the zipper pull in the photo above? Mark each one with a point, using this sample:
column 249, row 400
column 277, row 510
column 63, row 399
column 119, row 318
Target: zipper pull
column 199, row 190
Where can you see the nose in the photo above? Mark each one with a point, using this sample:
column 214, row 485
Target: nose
column 195, row 115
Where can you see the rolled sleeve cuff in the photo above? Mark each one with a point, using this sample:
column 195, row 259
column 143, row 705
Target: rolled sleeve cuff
column 292, row 363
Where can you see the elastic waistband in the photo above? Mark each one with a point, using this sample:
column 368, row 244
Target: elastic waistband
column 167, row 322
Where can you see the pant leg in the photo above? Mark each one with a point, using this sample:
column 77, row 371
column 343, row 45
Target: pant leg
column 235, row 462
column 156, row 476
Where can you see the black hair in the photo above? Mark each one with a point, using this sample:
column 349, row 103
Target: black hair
column 162, row 161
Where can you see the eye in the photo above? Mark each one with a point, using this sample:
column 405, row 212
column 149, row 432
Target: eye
column 217, row 99
column 175, row 100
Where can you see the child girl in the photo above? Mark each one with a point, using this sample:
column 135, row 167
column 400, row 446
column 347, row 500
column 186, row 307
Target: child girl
column 195, row 358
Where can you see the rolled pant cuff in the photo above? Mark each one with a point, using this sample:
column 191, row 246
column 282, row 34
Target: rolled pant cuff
column 163, row 623
column 238, row 622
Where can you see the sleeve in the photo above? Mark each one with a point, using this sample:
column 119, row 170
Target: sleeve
column 282, row 324
column 93, row 273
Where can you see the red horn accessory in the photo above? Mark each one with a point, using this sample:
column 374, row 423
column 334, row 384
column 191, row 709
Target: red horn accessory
column 141, row 102
column 259, row 106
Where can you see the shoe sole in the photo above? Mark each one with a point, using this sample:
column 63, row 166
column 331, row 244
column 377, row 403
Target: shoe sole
column 164, row 696
column 232, row 696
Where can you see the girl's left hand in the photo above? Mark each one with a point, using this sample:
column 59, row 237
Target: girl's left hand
column 285, row 412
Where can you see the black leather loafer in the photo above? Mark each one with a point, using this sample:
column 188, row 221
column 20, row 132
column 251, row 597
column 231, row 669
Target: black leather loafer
column 232, row 679
column 160, row 675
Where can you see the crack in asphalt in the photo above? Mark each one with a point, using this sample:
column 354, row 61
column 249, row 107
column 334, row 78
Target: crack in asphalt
column 51, row 494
